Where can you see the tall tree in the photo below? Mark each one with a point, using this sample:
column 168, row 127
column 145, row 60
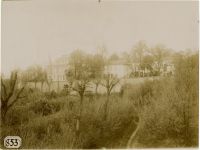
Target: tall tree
column 159, row 53
column 49, row 83
column 42, row 77
column 138, row 52
column 97, row 67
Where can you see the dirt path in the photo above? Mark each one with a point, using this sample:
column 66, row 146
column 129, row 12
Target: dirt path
column 133, row 136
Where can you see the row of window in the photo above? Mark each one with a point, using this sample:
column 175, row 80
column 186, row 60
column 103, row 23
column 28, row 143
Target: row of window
column 58, row 77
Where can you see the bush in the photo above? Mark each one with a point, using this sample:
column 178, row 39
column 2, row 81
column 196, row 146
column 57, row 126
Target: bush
column 161, row 120
column 171, row 117
column 45, row 107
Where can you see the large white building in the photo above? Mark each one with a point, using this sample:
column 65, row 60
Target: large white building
column 56, row 69
column 119, row 68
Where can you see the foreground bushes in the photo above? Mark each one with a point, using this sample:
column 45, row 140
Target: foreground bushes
column 169, row 108
column 52, row 123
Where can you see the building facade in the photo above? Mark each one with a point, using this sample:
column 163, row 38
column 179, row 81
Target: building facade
column 56, row 70
column 119, row 68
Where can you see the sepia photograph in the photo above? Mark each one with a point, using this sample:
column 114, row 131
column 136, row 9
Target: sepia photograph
column 99, row 74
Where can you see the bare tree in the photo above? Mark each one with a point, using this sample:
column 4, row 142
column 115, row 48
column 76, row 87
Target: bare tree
column 109, row 83
column 138, row 52
column 42, row 75
column 49, row 83
column 79, row 75
column 97, row 82
column 10, row 94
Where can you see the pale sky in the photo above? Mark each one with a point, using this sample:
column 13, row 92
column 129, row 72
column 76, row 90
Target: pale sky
column 34, row 30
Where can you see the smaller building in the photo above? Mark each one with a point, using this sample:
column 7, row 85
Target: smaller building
column 165, row 68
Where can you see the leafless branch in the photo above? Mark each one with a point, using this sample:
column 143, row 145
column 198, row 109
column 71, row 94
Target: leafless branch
column 12, row 84
column 17, row 97
column 4, row 89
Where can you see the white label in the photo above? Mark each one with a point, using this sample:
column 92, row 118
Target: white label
column 12, row 142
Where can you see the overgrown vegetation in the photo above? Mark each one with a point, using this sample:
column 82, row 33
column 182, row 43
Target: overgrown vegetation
column 156, row 113
column 169, row 106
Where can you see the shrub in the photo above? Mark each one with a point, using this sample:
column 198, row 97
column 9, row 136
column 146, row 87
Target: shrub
column 51, row 95
column 45, row 107
column 171, row 118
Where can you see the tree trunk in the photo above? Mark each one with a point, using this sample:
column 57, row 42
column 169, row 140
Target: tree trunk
column 35, row 85
column 49, row 87
column 106, row 107
column 42, row 83
column 4, row 110
column 102, row 129
column 79, row 116
column 3, row 116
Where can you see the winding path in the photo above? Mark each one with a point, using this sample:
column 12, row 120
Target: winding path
column 133, row 136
